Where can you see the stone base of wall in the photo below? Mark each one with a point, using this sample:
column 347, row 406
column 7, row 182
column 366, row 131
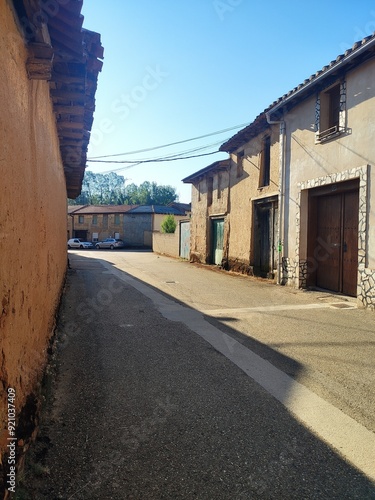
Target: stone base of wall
column 289, row 272
column 366, row 288
column 197, row 257
column 238, row 266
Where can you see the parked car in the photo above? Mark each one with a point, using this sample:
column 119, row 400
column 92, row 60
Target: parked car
column 77, row 243
column 111, row 243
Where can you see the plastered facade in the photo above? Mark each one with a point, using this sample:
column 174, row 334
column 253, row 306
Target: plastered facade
column 347, row 156
column 32, row 224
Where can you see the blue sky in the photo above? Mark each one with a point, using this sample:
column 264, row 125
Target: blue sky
column 180, row 69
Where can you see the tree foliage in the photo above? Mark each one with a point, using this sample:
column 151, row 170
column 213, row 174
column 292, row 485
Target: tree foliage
column 168, row 224
column 110, row 189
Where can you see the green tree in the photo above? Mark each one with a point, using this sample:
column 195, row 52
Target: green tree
column 168, row 224
column 109, row 189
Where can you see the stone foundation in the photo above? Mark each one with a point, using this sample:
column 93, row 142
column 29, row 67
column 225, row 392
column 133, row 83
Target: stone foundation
column 238, row 266
column 366, row 288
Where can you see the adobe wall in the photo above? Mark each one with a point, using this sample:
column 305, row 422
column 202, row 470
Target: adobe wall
column 200, row 250
column 32, row 224
column 244, row 191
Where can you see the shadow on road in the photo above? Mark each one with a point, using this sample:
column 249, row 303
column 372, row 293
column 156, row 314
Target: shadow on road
column 144, row 407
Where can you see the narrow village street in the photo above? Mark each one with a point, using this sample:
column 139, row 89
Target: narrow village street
column 180, row 381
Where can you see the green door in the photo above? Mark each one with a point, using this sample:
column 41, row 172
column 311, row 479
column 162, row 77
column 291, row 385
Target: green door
column 217, row 240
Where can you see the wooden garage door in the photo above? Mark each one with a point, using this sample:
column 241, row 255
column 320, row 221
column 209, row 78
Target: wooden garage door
column 337, row 237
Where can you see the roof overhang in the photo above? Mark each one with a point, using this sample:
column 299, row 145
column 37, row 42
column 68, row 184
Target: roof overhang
column 68, row 56
column 360, row 52
column 217, row 166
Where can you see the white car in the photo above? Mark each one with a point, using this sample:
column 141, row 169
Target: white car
column 77, row 243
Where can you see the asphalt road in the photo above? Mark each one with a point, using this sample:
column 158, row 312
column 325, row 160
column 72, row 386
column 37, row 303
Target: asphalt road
column 177, row 381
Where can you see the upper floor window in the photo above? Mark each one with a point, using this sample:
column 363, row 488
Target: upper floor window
column 265, row 162
column 81, row 219
column 117, row 219
column 95, row 219
column 210, row 187
column 240, row 158
column 330, row 112
column 105, row 221
column 219, row 185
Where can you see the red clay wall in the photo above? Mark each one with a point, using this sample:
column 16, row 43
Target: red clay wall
column 32, row 223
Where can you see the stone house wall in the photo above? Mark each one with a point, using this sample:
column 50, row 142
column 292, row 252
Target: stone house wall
column 310, row 164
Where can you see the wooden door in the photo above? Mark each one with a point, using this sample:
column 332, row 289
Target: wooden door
column 185, row 239
column 350, row 243
column 265, row 236
column 217, row 240
column 336, row 250
column 265, row 251
column 328, row 242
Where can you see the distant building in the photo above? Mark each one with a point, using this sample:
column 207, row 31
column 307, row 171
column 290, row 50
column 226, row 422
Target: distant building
column 96, row 222
column 132, row 223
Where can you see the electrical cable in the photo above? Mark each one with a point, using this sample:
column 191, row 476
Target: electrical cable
column 170, row 144
column 153, row 160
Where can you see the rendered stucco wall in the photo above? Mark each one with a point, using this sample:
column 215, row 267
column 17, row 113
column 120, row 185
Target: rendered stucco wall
column 346, row 157
column 32, row 224
column 159, row 218
column 166, row 244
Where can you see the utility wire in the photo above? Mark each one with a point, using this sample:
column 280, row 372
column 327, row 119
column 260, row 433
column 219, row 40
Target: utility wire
column 170, row 144
column 153, row 160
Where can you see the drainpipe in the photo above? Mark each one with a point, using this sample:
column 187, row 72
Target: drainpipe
column 280, row 221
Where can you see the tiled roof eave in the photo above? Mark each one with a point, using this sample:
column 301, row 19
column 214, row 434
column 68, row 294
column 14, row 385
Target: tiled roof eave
column 342, row 64
column 359, row 53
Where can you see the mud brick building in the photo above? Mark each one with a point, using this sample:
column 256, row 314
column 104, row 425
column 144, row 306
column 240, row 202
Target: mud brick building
column 48, row 79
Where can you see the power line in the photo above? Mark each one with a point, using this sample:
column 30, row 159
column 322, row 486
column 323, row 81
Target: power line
column 153, row 160
column 161, row 158
column 170, row 144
